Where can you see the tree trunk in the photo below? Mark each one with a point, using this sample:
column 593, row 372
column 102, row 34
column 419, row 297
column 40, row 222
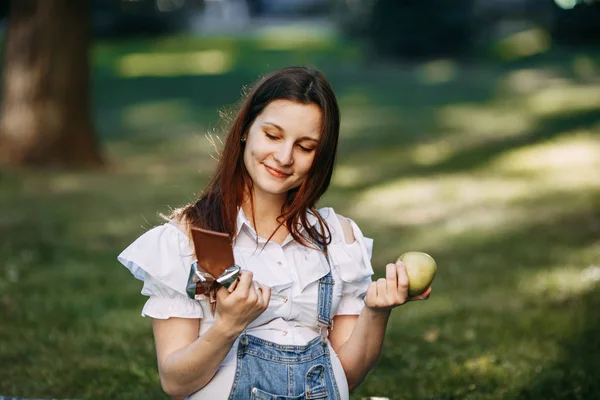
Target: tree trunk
column 46, row 108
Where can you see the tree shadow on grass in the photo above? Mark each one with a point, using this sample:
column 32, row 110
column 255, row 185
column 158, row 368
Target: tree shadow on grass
column 468, row 159
column 550, row 128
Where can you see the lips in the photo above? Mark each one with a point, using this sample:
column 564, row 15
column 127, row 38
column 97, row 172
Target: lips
column 276, row 173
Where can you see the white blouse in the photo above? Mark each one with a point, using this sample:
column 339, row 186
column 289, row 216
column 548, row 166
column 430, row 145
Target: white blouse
column 162, row 257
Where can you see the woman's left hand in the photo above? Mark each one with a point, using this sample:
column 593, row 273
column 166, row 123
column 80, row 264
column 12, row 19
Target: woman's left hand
column 391, row 291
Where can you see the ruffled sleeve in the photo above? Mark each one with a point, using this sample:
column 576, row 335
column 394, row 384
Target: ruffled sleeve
column 353, row 262
column 162, row 258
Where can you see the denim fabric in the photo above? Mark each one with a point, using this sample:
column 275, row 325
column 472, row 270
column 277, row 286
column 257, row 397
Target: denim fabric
column 270, row 371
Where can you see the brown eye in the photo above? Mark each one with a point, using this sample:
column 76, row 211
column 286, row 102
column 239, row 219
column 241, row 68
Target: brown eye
column 268, row 135
column 305, row 149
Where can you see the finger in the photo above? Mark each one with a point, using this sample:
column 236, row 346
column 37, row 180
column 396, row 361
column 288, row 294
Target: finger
column 233, row 285
column 222, row 293
column 402, row 278
column 371, row 291
column 252, row 296
column 391, row 278
column 258, row 291
column 244, row 284
column 381, row 287
column 422, row 296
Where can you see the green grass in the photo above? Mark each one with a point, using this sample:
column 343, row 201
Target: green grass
column 490, row 167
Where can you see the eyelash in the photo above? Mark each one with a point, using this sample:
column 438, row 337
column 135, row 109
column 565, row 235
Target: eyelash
column 303, row 149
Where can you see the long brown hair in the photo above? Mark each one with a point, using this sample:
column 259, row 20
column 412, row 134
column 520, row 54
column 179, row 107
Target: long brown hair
column 217, row 206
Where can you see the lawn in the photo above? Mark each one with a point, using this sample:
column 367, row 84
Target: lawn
column 491, row 167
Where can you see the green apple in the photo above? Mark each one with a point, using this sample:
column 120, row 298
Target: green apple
column 420, row 268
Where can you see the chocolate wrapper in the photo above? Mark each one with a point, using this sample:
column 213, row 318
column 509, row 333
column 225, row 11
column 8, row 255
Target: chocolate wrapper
column 215, row 265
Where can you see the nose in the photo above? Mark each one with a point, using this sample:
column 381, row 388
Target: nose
column 285, row 154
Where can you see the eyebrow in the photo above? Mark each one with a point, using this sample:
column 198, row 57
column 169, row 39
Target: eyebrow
column 279, row 128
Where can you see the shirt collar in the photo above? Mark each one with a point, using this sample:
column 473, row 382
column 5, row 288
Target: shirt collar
column 241, row 221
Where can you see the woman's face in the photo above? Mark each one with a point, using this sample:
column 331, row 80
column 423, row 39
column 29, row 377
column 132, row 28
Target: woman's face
column 281, row 145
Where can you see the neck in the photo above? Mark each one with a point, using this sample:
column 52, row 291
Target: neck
column 263, row 213
column 263, row 208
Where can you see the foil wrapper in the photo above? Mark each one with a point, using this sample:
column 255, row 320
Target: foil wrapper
column 201, row 282
column 215, row 265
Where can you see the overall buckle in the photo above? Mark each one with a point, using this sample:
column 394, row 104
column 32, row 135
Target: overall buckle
column 324, row 332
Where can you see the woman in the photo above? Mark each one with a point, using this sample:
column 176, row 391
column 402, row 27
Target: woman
column 304, row 319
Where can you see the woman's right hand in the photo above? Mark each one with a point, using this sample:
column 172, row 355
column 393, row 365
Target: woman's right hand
column 242, row 303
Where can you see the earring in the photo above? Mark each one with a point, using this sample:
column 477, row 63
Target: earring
column 243, row 140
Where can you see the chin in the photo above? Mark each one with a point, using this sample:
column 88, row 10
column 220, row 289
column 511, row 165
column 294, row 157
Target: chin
column 274, row 189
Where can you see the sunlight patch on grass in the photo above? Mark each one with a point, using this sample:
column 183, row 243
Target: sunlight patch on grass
column 291, row 42
column 447, row 208
column 361, row 121
column 564, row 100
column 494, row 200
column 523, row 44
column 570, row 162
column 177, row 43
column 432, row 153
column 347, row 176
column 205, row 62
column 437, row 72
column 147, row 115
column 425, row 200
column 293, row 37
column 561, row 283
column 529, row 80
column 578, row 150
column 478, row 124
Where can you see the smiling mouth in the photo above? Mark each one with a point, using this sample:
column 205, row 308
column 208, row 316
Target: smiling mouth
column 276, row 173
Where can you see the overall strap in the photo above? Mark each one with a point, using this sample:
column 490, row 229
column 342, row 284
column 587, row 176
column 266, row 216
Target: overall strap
column 324, row 320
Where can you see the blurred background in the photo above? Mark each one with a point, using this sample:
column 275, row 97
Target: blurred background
column 470, row 131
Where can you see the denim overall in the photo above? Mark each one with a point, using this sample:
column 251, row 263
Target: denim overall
column 270, row 371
